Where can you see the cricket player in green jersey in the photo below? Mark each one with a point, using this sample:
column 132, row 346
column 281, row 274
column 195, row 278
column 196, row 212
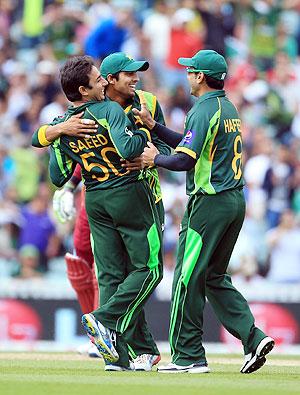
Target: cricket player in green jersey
column 121, row 74
column 113, row 195
column 120, row 70
column 211, row 152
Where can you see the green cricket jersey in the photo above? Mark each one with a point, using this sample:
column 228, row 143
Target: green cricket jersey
column 99, row 155
column 212, row 136
column 153, row 106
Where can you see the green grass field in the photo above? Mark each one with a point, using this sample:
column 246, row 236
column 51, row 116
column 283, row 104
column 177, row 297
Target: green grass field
column 67, row 373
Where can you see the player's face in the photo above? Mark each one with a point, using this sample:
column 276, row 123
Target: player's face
column 126, row 84
column 97, row 85
column 193, row 79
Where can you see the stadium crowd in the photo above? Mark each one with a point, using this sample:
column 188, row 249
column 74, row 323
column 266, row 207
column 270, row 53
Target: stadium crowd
column 261, row 42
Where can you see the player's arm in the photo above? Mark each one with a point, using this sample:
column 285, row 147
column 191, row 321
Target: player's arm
column 177, row 162
column 128, row 143
column 73, row 126
column 188, row 149
column 163, row 148
column 163, row 133
column 61, row 166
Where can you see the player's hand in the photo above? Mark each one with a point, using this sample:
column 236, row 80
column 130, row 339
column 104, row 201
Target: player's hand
column 144, row 115
column 63, row 205
column 149, row 154
column 132, row 165
column 79, row 127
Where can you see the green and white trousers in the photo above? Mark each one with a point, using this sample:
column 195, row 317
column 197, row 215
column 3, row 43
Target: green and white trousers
column 210, row 228
column 124, row 223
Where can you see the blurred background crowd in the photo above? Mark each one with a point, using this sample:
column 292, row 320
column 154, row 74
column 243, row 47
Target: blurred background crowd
column 261, row 42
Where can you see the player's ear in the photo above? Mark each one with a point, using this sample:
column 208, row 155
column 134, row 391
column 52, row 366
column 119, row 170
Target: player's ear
column 83, row 91
column 200, row 77
column 110, row 79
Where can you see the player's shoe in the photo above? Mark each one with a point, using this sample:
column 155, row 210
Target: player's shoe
column 145, row 362
column 256, row 359
column 193, row 368
column 116, row 368
column 102, row 337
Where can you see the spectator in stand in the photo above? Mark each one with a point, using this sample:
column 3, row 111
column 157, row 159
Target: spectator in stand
column 18, row 92
column 60, row 25
column 263, row 19
column 109, row 35
column 28, row 119
column 57, row 106
column 156, row 28
column 46, row 79
column 183, row 43
column 9, row 223
column 278, row 185
column 38, row 229
column 219, row 19
column 284, row 245
column 99, row 11
column 286, row 42
column 26, row 171
column 29, row 259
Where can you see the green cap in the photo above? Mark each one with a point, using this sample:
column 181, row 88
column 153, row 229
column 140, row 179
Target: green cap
column 119, row 61
column 208, row 62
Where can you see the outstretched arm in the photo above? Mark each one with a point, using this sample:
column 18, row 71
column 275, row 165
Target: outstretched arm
column 177, row 162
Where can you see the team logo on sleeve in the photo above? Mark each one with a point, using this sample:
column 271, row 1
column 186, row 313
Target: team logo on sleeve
column 128, row 131
column 188, row 137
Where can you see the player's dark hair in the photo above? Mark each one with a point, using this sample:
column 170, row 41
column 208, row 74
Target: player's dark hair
column 213, row 83
column 75, row 73
column 116, row 75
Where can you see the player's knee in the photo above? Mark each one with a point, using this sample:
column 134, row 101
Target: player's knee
column 214, row 280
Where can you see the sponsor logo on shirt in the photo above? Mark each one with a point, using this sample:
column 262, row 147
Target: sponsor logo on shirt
column 188, row 137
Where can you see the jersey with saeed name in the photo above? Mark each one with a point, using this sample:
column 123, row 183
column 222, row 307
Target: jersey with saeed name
column 150, row 174
column 99, row 155
column 212, row 136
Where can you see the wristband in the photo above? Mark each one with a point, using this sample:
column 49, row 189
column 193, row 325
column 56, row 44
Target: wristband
column 42, row 136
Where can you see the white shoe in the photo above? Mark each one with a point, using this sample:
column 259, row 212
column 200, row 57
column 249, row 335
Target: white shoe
column 256, row 359
column 102, row 337
column 145, row 362
column 193, row 368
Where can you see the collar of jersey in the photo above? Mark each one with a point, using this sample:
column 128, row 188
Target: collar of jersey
column 73, row 110
column 210, row 95
column 128, row 108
